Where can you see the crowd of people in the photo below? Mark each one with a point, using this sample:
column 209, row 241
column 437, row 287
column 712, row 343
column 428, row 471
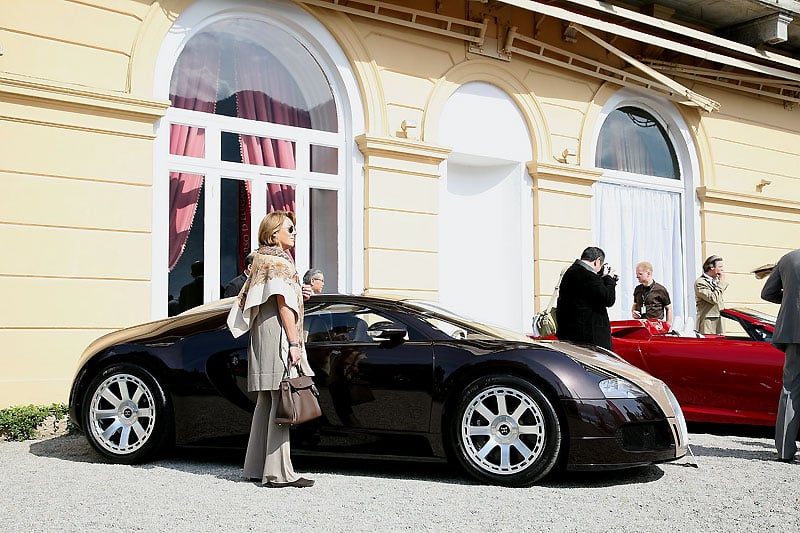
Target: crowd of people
column 588, row 289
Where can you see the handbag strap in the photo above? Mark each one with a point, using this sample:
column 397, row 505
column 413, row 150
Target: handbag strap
column 555, row 291
column 286, row 373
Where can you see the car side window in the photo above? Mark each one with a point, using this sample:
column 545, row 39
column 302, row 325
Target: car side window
column 345, row 323
column 734, row 329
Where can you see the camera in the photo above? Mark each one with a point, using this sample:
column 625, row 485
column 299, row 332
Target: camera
column 606, row 270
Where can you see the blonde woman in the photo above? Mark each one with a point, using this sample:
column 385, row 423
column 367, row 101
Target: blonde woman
column 270, row 306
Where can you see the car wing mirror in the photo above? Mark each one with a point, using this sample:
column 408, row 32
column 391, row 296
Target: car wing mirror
column 387, row 331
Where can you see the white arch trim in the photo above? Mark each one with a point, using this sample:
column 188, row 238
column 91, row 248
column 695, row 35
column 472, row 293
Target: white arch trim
column 316, row 38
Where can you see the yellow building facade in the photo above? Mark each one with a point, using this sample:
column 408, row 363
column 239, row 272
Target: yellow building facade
column 463, row 163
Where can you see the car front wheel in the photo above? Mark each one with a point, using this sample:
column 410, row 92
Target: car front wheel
column 127, row 414
column 505, row 431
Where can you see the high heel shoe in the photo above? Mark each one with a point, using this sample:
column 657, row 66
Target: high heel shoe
column 299, row 483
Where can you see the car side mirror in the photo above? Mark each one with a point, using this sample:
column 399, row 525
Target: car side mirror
column 387, row 331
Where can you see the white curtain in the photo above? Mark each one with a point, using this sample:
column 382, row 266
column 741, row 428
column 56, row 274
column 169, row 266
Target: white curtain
column 634, row 224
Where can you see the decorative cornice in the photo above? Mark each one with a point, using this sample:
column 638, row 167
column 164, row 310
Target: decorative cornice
column 401, row 149
column 112, row 103
column 563, row 172
column 707, row 194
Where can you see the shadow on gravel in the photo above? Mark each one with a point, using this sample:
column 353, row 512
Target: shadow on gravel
column 733, row 430
column 226, row 464
column 741, row 438
column 73, row 448
column 433, row 471
column 608, row 478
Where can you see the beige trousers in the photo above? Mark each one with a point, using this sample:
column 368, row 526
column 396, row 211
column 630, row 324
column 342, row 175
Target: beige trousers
column 267, row 456
column 712, row 326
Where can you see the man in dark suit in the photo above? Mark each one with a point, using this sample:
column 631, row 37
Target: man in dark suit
column 783, row 287
column 588, row 287
column 192, row 293
column 235, row 285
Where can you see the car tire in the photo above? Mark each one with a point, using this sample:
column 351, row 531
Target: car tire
column 505, row 431
column 127, row 414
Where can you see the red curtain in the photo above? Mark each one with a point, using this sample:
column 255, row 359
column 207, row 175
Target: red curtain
column 194, row 87
column 264, row 88
column 244, row 221
column 259, row 73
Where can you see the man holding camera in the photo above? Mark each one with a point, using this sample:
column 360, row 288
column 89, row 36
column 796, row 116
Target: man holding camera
column 587, row 289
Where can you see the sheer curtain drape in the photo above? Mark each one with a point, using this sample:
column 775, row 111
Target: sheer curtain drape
column 621, row 146
column 632, row 140
column 194, row 87
column 263, row 88
column 634, row 224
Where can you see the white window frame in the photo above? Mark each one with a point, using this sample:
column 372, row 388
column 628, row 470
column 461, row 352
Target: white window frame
column 348, row 182
column 680, row 136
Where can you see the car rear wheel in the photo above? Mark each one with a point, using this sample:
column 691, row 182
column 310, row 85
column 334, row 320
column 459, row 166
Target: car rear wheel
column 505, row 431
column 127, row 414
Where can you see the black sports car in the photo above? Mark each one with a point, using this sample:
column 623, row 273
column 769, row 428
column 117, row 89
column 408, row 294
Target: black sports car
column 397, row 378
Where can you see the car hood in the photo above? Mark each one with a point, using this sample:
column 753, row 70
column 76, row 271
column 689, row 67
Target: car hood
column 610, row 362
column 155, row 328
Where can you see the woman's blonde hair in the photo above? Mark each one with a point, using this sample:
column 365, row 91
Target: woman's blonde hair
column 271, row 225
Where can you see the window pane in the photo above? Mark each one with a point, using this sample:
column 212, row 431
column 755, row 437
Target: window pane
column 188, row 141
column 280, row 197
column 253, row 70
column 186, row 236
column 234, row 242
column 324, row 159
column 324, row 236
column 261, row 151
column 632, row 140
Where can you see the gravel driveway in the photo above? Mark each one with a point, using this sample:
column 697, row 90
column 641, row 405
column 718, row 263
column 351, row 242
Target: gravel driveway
column 61, row 484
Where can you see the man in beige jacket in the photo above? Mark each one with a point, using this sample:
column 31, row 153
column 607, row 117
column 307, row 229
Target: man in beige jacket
column 709, row 291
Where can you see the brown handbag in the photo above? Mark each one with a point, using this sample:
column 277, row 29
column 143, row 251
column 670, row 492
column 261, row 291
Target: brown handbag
column 297, row 402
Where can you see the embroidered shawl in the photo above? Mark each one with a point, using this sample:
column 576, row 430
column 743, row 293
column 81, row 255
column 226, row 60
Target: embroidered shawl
column 272, row 273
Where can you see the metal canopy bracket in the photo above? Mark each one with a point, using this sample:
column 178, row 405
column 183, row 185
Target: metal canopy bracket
column 786, row 90
column 692, row 98
column 655, row 81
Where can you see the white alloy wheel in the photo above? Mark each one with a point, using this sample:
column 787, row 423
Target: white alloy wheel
column 505, row 431
column 122, row 414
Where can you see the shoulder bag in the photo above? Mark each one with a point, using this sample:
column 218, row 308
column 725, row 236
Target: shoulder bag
column 544, row 322
column 297, row 401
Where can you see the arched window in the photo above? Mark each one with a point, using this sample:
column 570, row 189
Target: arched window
column 632, row 140
column 254, row 126
column 643, row 206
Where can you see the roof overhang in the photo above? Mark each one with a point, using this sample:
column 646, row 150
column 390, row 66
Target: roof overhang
column 648, row 38
column 719, row 62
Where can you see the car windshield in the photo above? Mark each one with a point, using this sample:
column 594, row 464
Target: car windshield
column 758, row 316
column 461, row 327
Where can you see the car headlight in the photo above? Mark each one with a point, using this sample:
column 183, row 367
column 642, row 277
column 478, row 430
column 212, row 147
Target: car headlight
column 620, row 388
column 683, row 431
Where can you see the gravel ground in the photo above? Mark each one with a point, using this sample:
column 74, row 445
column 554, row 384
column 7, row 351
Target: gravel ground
column 61, row 484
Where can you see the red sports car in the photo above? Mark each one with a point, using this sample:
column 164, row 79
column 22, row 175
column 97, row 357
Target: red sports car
column 731, row 379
